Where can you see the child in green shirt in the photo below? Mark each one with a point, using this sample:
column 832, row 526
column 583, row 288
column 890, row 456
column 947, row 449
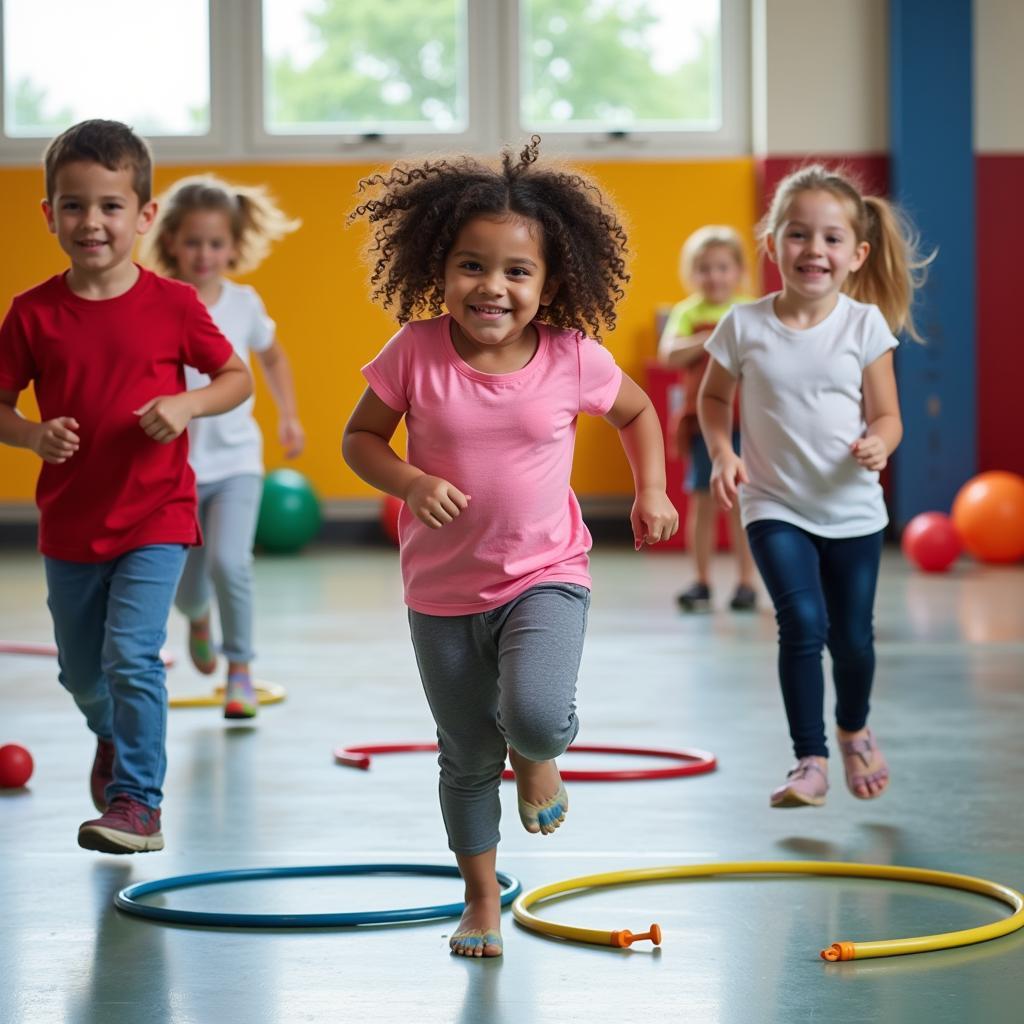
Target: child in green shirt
column 712, row 267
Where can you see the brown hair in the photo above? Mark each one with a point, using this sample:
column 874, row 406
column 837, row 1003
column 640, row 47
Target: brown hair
column 894, row 268
column 255, row 220
column 109, row 143
column 421, row 208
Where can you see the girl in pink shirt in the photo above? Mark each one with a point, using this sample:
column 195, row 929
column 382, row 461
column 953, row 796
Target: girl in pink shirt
column 494, row 550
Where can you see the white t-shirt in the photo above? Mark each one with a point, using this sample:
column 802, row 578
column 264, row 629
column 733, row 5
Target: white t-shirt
column 231, row 444
column 802, row 406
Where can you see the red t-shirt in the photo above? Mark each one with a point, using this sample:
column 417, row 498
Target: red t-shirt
column 98, row 361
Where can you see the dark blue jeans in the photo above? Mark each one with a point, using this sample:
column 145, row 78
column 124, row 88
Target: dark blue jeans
column 824, row 593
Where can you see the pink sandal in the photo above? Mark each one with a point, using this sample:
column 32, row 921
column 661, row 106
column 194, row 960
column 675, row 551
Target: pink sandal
column 805, row 786
column 858, row 755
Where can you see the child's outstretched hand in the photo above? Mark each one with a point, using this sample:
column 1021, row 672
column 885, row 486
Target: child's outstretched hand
column 292, row 437
column 654, row 518
column 55, row 441
column 166, row 417
column 434, row 501
column 727, row 473
column 870, row 452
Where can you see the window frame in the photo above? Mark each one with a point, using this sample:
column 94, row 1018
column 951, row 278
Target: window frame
column 732, row 138
column 237, row 132
column 217, row 143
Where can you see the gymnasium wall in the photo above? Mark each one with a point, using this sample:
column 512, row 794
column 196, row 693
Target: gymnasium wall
column 314, row 285
column 823, row 82
column 820, row 89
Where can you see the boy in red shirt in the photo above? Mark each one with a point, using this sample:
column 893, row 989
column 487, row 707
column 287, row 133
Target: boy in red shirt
column 105, row 345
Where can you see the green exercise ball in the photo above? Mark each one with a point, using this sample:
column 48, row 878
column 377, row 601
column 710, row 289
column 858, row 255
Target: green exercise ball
column 289, row 512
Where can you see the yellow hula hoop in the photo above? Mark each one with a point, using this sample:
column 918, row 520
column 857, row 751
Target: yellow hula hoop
column 266, row 693
column 836, row 951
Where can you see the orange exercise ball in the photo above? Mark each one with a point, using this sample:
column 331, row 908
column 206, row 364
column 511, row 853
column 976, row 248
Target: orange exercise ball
column 988, row 513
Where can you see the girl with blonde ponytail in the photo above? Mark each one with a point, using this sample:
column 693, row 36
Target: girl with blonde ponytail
column 820, row 419
column 206, row 229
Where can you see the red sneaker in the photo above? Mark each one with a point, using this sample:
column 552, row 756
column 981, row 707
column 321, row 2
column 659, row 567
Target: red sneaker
column 102, row 773
column 125, row 827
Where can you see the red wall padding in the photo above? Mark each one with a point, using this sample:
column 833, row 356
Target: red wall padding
column 1000, row 367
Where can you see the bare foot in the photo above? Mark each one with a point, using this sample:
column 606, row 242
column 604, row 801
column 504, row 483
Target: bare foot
column 867, row 772
column 479, row 931
column 543, row 801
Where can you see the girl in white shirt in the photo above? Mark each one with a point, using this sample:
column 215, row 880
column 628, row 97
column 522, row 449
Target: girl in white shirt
column 205, row 229
column 820, row 419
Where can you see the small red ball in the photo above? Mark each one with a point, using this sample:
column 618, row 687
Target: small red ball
column 15, row 766
column 931, row 542
column 390, row 509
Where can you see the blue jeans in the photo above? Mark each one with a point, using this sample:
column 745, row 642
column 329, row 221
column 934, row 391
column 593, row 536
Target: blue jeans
column 110, row 620
column 698, row 472
column 824, row 593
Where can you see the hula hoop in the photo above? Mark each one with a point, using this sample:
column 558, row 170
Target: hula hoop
column 836, row 951
column 694, row 762
column 266, row 693
column 126, row 899
column 37, row 650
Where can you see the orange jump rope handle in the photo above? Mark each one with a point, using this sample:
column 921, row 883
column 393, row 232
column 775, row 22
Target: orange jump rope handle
column 627, row 938
column 838, row 951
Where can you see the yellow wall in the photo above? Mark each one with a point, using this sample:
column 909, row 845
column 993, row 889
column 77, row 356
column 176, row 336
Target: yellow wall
column 314, row 286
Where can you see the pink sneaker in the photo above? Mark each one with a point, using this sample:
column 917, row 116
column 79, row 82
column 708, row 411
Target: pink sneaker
column 125, row 827
column 805, row 786
column 102, row 773
column 200, row 646
column 240, row 698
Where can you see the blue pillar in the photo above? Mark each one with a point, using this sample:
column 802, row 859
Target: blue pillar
column 932, row 177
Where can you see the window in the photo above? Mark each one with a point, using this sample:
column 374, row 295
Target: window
column 371, row 79
column 65, row 60
column 336, row 67
column 619, row 65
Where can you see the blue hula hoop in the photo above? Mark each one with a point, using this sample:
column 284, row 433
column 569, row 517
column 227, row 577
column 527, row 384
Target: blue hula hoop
column 126, row 899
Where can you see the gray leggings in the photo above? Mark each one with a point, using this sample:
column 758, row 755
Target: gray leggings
column 494, row 680
column 228, row 510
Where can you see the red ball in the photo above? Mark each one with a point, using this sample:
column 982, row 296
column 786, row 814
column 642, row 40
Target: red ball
column 989, row 513
column 931, row 542
column 15, row 766
column 389, row 511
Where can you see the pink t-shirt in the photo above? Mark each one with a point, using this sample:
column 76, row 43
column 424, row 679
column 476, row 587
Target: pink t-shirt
column 506, row 440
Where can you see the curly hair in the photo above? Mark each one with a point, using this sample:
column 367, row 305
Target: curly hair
column 422, row 208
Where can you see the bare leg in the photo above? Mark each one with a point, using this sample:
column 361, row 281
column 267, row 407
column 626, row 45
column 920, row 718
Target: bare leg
column 701, row 526
column 479, row 931
column 744, row 559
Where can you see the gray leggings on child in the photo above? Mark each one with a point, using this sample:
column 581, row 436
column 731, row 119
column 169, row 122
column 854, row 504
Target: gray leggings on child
column 228, row 510
column 494, row 680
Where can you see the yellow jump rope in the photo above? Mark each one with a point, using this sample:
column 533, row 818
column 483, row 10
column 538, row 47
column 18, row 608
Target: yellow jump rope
column 836, row 951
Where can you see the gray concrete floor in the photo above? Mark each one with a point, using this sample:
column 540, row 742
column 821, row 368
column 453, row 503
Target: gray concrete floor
column 331, row 627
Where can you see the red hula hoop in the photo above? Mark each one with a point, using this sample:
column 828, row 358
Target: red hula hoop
column 50, row 651
column 693, row 762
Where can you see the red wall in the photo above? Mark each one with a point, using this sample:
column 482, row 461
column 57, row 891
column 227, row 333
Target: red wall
column 1000, row 329
column 870, row 170
column 1000, row 367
